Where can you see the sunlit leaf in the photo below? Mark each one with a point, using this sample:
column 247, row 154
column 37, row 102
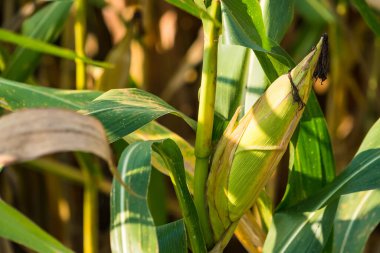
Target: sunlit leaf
column 16, row 227
column 357, row 216
column 368, row 15
column 123, row 111
column 361, row 174
column 43, row 47
column 312, row 161
column 132, row 226
column 15, row 95
column 277, row 17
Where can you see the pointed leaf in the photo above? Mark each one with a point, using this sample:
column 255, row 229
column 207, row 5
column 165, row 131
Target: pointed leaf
column 243, row 25
column 368, row 15
column 122, row 111
column 357, row 216
column 192, row 8
column 28, row 134
column 172, row 237
column 43, row 47
column 312, row 162
column 132, row 225
column 361, row 174
column 16, row 227
column 133, row 228
column 45, row 25
column 277, row 17
column 15, row 95
column 300, row 232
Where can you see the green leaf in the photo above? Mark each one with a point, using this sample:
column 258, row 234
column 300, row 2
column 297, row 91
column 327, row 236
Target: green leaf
column 232, row 62
column 122, row 111
column 312, row 161
column 243, row 25
column 186, row 5
column 368, row 15
column 16, row 227
column 300, row 232
column 15, row 95
column 361, row 174
column 172, row 237
column 44, row 25
column 155, row 131
column 132, row 226
column 277, row 17
column 315, row 11
column 133, row 229
column 358, row 213
column 357, row 216
column 189, row 6
column 43, row 47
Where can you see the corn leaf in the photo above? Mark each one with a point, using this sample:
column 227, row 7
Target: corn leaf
column 172, row 237
column 123, row 111
column 16, row 95
column 277, row 17
column 312, row 162
column 300, row 232
column 190, row 6
column 29, row 134
column 232, row 71
column 315, row 11
column 368, row 15
column 155, row 131
column 361, row 174
column 43, row 47
column 359, row 213
column 16, row 227
column 44, row 25
column 132, row 226
column 186, row 5
column 357, row 216
column 243, row 25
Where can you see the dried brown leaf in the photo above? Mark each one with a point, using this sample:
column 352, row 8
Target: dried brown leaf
column 28, row 134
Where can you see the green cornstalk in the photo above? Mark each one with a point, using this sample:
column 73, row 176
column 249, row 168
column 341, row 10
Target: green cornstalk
column 206, row 119
column 79, row 34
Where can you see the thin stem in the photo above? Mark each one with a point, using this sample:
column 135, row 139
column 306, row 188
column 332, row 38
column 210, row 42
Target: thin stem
column 206, row 119
column 90, row 203
column 66, row 172
column 79, row 33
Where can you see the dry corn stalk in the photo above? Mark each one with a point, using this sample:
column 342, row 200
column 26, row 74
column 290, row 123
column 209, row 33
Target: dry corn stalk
column 249, row 151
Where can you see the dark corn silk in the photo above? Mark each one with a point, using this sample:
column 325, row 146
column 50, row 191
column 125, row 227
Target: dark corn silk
column 295, row 93
column 323, row 60
column 320, row 71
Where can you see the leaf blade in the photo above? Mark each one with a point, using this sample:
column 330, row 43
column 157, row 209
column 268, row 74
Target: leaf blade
column 122, row 111
column 25, row 232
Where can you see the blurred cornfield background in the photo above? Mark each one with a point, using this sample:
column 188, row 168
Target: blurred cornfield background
column 158, row 48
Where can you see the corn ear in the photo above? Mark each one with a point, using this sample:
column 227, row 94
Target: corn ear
column 249, row 151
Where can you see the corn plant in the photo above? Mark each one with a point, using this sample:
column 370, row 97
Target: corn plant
column 255, row 103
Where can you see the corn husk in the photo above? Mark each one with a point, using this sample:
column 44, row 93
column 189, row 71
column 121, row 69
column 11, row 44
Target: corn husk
column 248, row 152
